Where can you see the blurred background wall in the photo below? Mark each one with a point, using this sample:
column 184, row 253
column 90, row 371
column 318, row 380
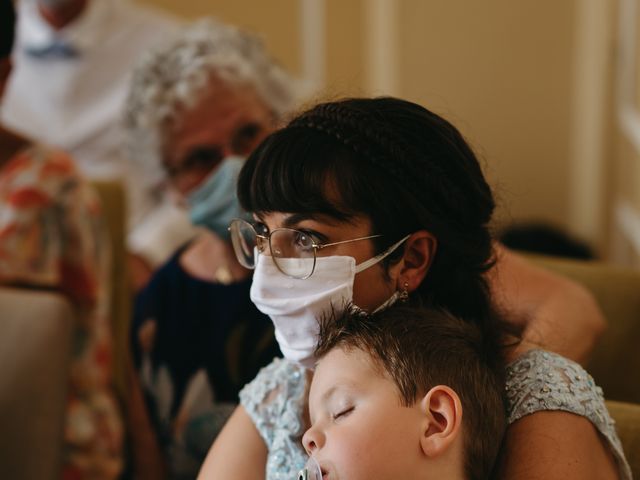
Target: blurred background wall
column 547, row 92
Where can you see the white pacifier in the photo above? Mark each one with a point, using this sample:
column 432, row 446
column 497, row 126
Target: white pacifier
column 311, row 471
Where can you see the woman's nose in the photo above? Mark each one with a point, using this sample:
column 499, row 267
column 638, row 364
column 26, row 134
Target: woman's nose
column 312, row 440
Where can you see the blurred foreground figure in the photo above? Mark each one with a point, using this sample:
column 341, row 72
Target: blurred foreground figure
column 52, row 238
column 72, row 67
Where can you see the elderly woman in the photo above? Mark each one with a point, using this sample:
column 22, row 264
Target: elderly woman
column 198, row 107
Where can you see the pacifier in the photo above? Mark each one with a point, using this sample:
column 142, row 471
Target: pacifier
column 311, row 471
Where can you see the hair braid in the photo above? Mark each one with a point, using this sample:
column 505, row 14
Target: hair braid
column 369, row 137
column 362, row 134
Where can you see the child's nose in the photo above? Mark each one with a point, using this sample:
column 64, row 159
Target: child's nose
column 312, row 440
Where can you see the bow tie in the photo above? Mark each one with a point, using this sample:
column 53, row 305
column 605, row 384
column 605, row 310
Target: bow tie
column 55, row 50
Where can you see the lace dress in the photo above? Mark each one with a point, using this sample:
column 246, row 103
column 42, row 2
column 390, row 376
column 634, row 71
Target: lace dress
column 276, row 399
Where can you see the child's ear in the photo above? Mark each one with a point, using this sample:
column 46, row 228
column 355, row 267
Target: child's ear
column 442, row 421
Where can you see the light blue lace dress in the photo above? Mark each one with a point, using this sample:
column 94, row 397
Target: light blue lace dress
column 539, row 380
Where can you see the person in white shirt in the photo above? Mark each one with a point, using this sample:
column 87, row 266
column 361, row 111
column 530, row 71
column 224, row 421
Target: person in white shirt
column 73, row 60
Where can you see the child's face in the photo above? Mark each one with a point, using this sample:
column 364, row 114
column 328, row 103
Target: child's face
column 360, row 430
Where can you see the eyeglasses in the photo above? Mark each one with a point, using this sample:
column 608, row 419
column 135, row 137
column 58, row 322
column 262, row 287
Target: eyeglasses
column 205, row 158
column 284, row 244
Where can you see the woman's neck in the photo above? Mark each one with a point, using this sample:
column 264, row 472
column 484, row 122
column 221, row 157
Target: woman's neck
column 10, row 144
column 210, row 258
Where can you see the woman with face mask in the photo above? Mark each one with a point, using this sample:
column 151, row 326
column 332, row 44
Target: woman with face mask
column 363, row 203
column 199, row 106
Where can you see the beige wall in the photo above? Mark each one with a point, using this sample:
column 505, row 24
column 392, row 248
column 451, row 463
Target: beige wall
column 624, row 208
column 625, row 205
column 276, row 22
column 502, row 72
column 627, row 171
column 529, row 83
column 345, row 37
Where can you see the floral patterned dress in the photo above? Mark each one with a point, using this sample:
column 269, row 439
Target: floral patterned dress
column 51, row 236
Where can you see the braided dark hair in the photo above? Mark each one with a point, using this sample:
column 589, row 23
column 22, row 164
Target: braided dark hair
column 7, row 27
column 402, row 166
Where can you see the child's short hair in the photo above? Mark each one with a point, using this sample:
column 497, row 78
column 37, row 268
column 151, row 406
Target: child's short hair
column 419, row 348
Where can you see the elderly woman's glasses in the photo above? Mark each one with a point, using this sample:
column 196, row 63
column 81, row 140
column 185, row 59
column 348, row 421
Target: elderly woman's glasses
column 201, row 159
column 205, row 158
column 284, row 244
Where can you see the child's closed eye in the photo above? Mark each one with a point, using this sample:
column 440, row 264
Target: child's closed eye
column 343, row 413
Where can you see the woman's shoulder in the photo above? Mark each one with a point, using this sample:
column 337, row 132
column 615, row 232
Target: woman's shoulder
column 169, row 272
column 545, row 381
column 276, row 397
column 542, row 380
column 41, row 176
column 48, row 161
column 42, row 196
column 169, row 285
column 276, row 383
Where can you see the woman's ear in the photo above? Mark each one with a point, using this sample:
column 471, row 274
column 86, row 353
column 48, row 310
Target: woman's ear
column 419, row 252
column 442, row 421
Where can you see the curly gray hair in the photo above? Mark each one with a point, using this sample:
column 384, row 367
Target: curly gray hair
column 171, row 79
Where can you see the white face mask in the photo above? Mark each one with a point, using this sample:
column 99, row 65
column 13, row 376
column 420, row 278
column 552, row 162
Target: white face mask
column 296, row 305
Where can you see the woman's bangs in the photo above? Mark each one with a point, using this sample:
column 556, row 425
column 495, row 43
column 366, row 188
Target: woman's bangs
column 294, row 171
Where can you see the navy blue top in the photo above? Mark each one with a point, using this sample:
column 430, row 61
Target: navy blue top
column 201, row 326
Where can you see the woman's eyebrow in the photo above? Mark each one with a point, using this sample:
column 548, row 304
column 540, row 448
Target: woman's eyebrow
column 294, row 219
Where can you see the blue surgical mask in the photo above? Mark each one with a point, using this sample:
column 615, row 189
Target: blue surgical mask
column 214, row 203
